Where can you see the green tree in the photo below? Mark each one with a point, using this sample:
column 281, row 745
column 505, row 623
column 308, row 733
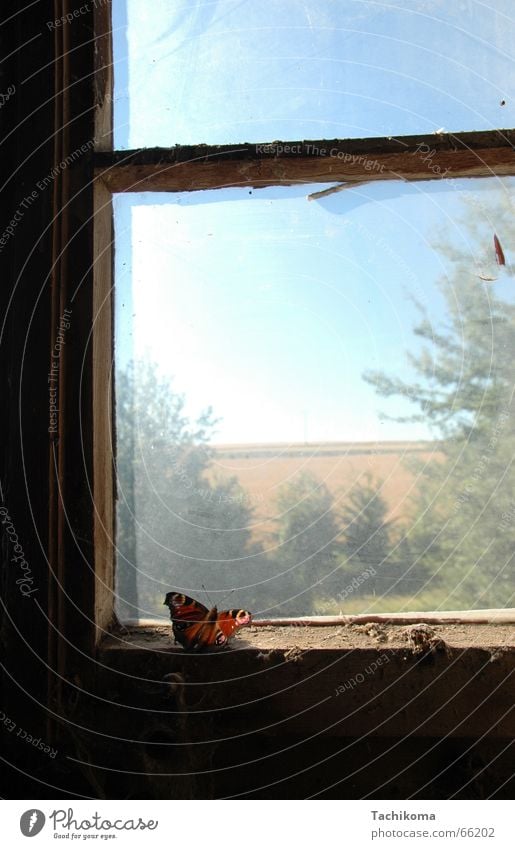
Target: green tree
column 175, row 527
column 366, row 533
column 375, row 547
column 367, row 530
column 465, row 391
column 306, row 545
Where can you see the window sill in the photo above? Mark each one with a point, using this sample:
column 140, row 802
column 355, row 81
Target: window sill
column 367, row 679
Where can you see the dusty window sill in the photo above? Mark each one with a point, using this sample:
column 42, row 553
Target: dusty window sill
column 488, row 630
column 376, row 679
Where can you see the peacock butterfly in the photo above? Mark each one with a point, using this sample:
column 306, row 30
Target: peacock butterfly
column 196, row 627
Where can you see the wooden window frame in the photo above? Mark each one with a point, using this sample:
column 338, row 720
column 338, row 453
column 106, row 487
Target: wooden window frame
column 189, row 168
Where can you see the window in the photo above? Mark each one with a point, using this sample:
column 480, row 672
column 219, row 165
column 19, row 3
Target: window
column 313, row 340
column 100, row 707
column 230, row 71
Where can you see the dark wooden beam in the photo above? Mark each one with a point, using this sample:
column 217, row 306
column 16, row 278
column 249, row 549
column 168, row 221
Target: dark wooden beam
column 388, row 691
column 481, row 154
column 25, row 308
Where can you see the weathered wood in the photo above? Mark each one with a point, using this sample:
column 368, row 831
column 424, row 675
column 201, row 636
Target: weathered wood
column 71, row 356
column 27, row 145
column 479, row 154
column 103, row 447
column 345, row 692
column 103, row 79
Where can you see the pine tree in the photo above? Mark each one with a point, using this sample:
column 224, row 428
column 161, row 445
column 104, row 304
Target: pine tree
column 366, row 535
column 176, row 528
column 465, row 392
column 306, row 545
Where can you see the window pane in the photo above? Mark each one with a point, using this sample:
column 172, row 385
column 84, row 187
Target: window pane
column 314, row 398
column 223, row 71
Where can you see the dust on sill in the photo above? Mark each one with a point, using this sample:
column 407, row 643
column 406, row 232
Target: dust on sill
column 346, row 637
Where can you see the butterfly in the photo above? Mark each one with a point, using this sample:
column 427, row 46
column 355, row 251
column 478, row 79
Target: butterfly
column 196, row 627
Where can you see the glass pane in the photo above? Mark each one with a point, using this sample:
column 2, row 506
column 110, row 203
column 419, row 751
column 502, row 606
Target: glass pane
column 314, row 398
column 224, row 71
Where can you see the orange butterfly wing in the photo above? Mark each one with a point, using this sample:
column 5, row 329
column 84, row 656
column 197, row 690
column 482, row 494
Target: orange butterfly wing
column 196, row 627
column 189, row 620
column 229, row 620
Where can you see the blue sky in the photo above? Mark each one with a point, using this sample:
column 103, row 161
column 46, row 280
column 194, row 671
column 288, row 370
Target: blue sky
column 265, row 305
column 270, row 307
column 221, row 71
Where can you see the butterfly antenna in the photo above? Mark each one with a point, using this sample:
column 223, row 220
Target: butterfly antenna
column 219, row 603
column 226, row 596
column 211, row 605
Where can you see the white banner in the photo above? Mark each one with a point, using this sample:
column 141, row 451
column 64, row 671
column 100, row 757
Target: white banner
column 168, row 823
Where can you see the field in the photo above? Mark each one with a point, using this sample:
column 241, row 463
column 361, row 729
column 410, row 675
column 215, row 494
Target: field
column 263, row 469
